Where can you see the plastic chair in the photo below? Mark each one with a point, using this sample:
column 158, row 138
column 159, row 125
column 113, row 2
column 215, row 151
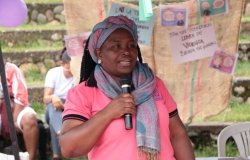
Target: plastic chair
column 241, row 135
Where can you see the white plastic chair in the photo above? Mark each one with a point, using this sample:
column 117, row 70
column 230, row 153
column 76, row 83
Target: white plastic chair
column 241, row 135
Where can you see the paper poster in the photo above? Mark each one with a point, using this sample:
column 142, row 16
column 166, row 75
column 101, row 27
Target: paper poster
column 223, row 61
column 213, row 7
column 173, row 15
column 144, row 28
column 194, row 43
column 75, row 43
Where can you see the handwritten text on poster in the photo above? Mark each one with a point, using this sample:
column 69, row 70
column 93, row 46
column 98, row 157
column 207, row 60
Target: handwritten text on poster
column 193, row 43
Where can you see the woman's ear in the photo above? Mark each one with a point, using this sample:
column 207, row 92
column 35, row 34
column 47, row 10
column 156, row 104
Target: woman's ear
column 98, row 53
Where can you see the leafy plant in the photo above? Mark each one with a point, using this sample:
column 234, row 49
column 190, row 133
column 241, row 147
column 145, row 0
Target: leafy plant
column 242, row 69
column 35, row 45
column 211, row 150
column 235, row 113
column 44, row 1
column 38, row 107
column 36, row 27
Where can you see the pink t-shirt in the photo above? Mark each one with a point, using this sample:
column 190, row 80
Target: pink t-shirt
column 16, row 84
column 116, row 142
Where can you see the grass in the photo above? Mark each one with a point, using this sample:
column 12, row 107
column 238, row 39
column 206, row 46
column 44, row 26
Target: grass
column 211, row 149
column 38, row 107
column 35, row 45
column 34, row 78
column 244, row 37
column 245, row 19
column 43, row 1
column 237, row 112
column 35, row 27
column 242, row 69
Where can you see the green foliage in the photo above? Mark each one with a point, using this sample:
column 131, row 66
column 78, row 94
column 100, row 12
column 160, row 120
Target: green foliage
column 207, row 151
column 43, row 1
column 36, row 27
column 242, row 69
column 34, row 77
column 231, row 148
column 245, row 19
column 244, row 37
column 211, row 150
column 33, row 45
column 237, row 112
column 38, row 107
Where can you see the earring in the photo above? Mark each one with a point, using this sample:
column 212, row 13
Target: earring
column 99, row 61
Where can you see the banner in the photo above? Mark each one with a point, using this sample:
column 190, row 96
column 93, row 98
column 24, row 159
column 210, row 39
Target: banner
column 199, row 90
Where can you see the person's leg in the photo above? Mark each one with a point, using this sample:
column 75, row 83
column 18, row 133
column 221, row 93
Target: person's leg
column 28, row 124
column 54, row 119
column 55, row 143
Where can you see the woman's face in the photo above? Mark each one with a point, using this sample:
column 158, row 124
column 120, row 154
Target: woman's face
column 118, row 54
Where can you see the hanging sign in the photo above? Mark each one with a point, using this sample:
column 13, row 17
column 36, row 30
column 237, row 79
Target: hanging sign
column 144, row 28
column 194, row 43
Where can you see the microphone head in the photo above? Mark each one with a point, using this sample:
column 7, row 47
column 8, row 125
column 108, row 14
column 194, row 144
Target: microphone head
column 126, row 80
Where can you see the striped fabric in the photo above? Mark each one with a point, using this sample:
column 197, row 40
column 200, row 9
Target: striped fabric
column 102, row 30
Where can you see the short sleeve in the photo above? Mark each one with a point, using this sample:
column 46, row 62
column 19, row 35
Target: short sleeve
column 78, row 103
column 17, row 84
column 49, row 79
column 167, row 98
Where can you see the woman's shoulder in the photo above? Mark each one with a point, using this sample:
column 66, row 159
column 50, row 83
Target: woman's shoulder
column 161, row 86
column 82, row 89
column 82, row 93
column 159, row 82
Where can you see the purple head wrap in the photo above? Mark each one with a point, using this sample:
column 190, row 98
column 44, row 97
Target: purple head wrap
column 102, row 30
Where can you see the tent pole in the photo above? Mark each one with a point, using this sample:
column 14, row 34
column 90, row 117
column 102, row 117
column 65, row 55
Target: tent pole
column 12, row 129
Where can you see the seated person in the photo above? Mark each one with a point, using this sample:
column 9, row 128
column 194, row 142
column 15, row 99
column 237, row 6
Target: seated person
column 57, row 83
column 23, row 115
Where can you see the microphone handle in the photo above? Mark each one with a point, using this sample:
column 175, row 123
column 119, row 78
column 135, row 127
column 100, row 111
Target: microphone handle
column 128, row 121
column 128, row 116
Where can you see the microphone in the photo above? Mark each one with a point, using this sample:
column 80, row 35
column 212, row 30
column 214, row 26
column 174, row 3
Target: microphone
column 125, row 83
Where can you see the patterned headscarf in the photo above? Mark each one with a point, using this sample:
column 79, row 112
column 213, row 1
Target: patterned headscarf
column 144, row 81
column 102, row 30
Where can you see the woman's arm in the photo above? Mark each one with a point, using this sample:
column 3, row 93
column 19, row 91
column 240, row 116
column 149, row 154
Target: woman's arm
column 50, row 97
column 180, row 141
column 47, row 95
column 77, row 138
